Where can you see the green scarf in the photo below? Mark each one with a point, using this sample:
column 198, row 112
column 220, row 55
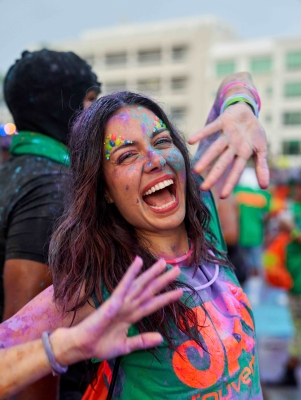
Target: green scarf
column 27, row 142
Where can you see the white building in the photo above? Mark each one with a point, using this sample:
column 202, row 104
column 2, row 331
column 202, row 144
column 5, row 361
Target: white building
column 167, row 60
column 275, row 65
column 182, row 62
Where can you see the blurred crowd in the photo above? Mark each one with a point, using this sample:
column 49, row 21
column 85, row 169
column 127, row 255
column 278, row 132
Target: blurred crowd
column 262, row 229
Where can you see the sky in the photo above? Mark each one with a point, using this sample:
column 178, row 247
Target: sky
column 24, row 22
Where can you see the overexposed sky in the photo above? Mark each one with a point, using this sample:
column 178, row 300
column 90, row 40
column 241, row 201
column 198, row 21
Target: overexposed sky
column 23, row 22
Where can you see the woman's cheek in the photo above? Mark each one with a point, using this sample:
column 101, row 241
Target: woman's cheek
column 176, row 160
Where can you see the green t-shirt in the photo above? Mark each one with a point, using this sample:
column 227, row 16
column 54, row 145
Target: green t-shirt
column 253, row 204
column 228, row 368
column 214, row 225
column 293, row 252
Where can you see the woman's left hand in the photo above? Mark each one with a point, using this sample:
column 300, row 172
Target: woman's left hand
column 103, row 334
column 241, row 137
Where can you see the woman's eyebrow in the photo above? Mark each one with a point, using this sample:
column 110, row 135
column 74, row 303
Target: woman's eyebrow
column 122, row 146
column 158, row 131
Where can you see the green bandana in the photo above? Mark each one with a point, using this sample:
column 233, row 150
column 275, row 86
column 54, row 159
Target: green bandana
column 40, row 145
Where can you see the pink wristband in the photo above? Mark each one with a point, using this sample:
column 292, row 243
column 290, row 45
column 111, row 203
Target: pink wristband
column 252, row 90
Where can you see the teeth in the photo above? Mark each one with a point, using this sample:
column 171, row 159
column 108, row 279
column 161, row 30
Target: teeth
column 165, row 205
column 159, row 186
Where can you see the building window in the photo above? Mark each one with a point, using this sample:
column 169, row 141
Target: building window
column 292, row 118
column 152, row 56
column 292, row 89
column 111, row 87
column 291, row 147
column 293, row 60
column 117, row 60
column 150, row 85
column 179, row 84
column 225, row 67
column 179, row 53
column 178, row 114
column 261, row 65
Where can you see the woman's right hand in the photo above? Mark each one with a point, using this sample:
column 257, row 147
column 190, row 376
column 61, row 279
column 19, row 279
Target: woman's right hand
column 103, row 334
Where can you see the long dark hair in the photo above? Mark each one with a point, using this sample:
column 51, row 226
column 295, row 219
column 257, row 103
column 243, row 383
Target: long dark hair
column 94, row 245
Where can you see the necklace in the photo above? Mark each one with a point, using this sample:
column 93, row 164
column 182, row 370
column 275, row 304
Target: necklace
column 178, row 260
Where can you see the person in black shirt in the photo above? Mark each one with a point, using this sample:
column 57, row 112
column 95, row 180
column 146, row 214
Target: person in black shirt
column 42, row 91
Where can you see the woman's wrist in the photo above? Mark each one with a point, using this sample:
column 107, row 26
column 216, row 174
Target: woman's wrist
column 240, row 98
column 63, row 346
column 232, row 85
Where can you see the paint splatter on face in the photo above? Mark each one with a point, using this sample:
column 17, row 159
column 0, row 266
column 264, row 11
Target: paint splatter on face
column 159, row 124
column 112, row 141
column 151, row 166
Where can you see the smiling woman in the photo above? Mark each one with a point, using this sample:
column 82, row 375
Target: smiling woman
column 135, row 193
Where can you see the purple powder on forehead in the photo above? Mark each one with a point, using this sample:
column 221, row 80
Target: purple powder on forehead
column 122, row 116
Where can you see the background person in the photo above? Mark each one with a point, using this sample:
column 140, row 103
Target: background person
column 42, row 91
column 290, row 223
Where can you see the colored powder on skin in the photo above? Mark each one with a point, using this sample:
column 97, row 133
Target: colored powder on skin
column 127, row 187
column 137, row 201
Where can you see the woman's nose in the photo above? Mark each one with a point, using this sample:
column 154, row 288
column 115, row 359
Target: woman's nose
column 156, row 162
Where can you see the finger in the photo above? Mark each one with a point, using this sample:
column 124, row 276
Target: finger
column 157, row 284
column 143, row 341
column 234, row 175
column 211, row 154
column 218, row 169
column 262, row 169
column 155, row 303
column 208, row 130
column 139, row 284
column 129, row 277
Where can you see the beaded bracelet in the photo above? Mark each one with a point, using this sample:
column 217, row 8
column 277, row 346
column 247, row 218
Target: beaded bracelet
column 237, row 98
column 57, row 369
column 246, row 85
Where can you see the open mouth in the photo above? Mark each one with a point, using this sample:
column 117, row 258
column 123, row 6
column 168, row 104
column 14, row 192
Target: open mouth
column 161, row 196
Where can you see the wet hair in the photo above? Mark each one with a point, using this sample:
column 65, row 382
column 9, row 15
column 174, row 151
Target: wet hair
column 44, row 89
column 94, row 245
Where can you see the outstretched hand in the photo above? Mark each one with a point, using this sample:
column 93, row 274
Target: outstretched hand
column 103, row 334
column 241, row 137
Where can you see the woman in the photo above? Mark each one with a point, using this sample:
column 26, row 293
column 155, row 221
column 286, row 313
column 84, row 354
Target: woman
column 138, row 196
column 133, row 193
column 102, row 334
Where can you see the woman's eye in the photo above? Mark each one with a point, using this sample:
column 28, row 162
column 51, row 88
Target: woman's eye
column 164, row 140
column 124, row 156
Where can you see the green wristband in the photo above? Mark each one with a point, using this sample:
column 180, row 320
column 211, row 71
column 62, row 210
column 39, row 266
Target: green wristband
column 237, row 98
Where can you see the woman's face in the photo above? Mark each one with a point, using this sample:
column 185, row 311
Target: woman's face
column 144, row 171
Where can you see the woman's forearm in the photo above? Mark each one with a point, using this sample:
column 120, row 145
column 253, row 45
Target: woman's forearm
column 26, row 363
column 22, row 365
